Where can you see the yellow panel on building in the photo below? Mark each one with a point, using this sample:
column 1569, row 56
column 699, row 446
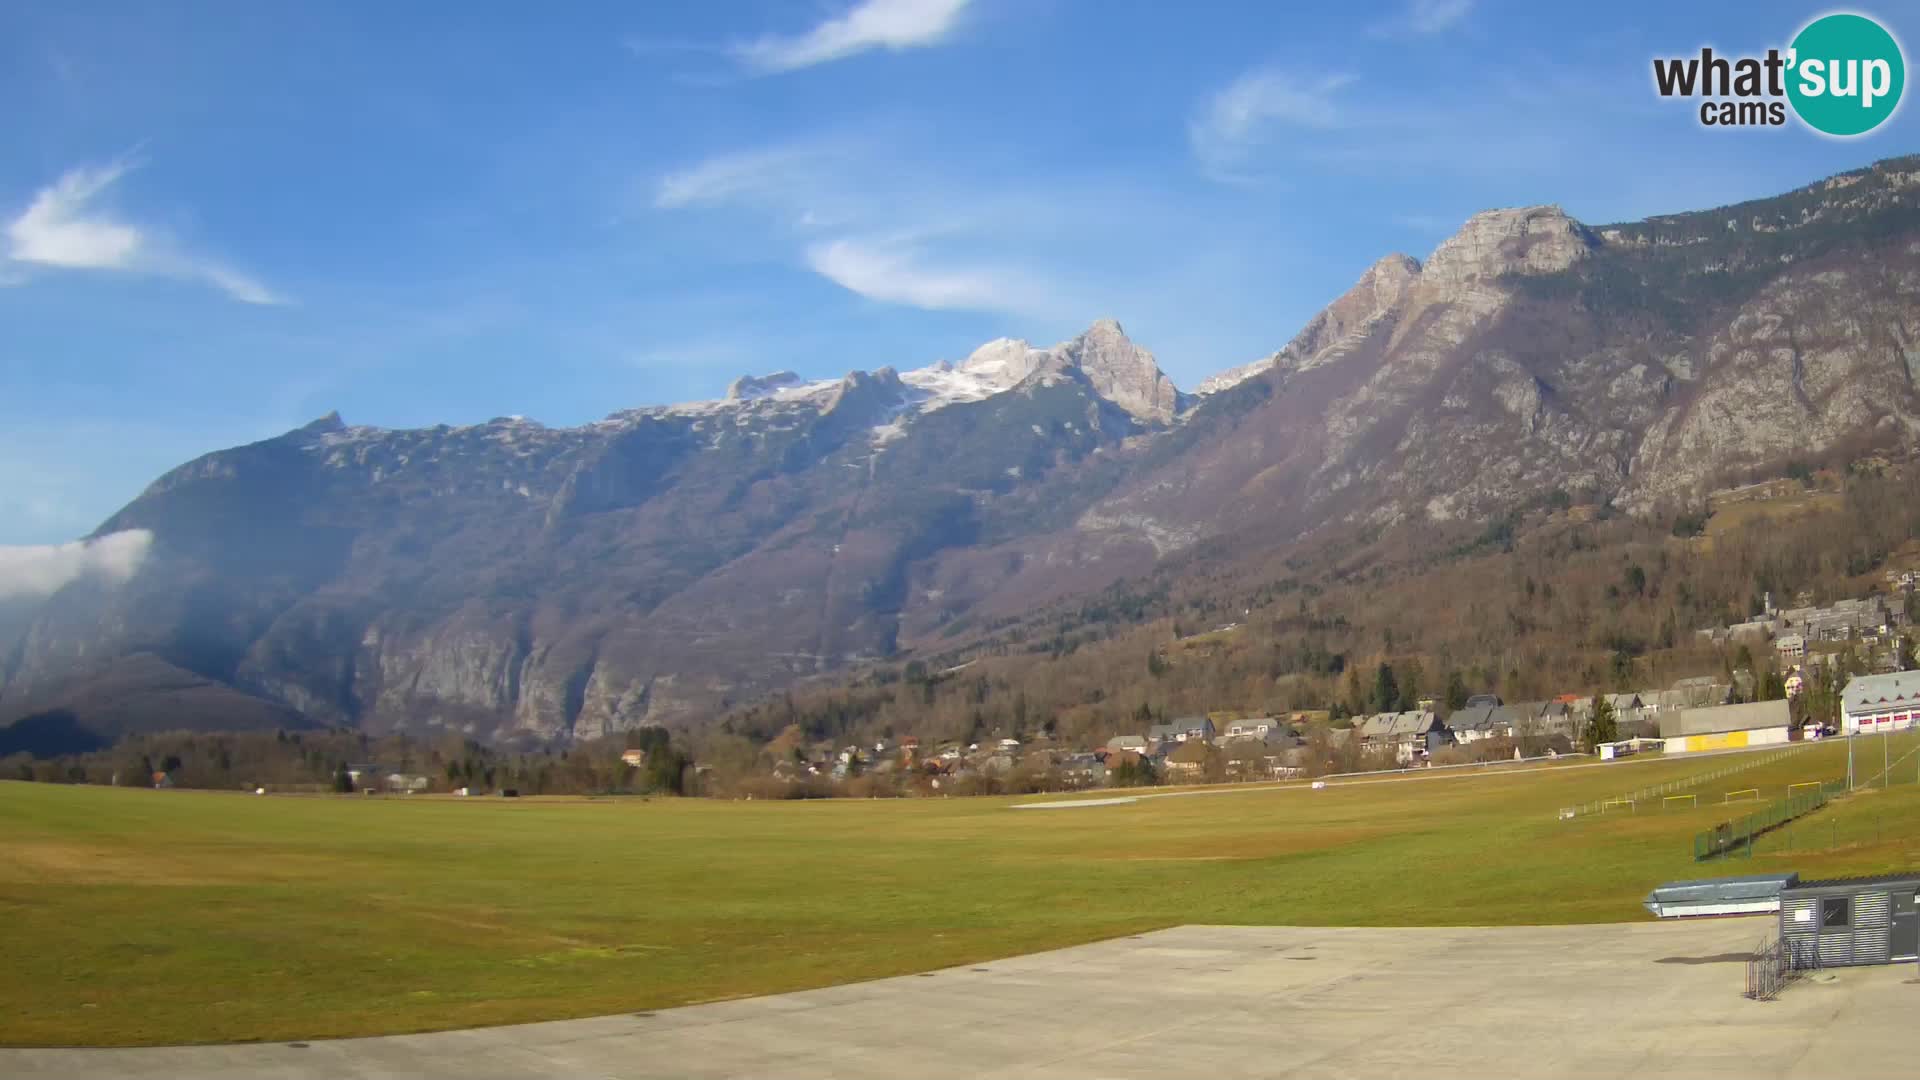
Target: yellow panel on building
column 1726, row 740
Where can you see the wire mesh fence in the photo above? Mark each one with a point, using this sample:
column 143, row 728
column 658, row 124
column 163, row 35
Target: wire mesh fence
column 1632, row 799
column 1836, row 830
column 1739, row 833
column 1778, row 829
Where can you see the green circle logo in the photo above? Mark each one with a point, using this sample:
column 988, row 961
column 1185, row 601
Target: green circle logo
column 1846, row 74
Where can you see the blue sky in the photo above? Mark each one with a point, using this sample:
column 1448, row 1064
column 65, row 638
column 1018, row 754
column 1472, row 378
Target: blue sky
column 220, row 220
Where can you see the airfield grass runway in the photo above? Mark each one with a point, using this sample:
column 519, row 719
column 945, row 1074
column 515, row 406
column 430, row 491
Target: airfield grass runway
column 132, row 917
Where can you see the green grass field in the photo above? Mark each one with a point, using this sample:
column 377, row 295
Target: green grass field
column 138, row 917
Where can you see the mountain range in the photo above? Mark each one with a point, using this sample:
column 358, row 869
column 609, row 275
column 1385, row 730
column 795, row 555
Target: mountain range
column 510, row 580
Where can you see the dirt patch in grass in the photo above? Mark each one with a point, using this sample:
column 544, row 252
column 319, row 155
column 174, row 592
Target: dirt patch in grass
column 73, row 862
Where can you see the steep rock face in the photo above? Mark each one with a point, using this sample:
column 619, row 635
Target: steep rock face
column 1122, row 372
column 1338, row 327
column 1817, row 358
column 1528, row 240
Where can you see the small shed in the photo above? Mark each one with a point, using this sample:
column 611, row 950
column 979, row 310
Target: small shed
column 1745, row 895
column 1838, row 922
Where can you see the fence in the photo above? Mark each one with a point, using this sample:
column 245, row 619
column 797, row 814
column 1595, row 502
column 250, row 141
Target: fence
column 1774, row 965
column 1740, row 833
column 1660, row 791
column 1891, row 771
column 1769, row 971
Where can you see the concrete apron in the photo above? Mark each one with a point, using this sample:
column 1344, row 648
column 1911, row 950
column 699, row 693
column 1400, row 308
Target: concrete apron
column 1638, row 1000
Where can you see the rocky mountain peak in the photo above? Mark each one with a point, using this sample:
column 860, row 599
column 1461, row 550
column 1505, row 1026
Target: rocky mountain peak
column 1122, row 372
column 326, row 425
column 1525, row 240
column 748, row 387
column 865, row 391
column 1389, row 276
column 1002, row 362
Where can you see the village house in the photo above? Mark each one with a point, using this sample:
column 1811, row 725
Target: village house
column 1376, row 730
column 1083, row 770
column 1253, row 728
column 1419, row 733
column 1252, row 759
column 1413, row 735
column 1262, row 731
column 1560, row 718
column 1165, row 736
column 1630, row 714
column 1189, row 760
column 1133, row 744
column 1472, row 723
column 1509, row 721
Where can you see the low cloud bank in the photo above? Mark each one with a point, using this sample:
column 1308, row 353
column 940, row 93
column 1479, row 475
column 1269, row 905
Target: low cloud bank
column 39, row 571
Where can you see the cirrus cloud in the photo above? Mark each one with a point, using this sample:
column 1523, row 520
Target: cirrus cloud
column 897, row 274
column 871, row 24
column 65, row 227
column 1240, row 117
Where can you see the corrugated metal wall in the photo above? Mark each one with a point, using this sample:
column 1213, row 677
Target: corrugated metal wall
column 1866, row 940
column 1872, row 927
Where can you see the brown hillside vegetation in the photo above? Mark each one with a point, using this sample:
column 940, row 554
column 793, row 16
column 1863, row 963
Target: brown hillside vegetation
column 1557, row 599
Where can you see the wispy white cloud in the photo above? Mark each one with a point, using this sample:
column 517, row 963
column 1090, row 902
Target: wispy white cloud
column 898, row 273
column 1244, row 115
column 1418, row 18
column 891, row 214
column 754, row 175
column 61, row 227
column 42, row 570
column 1271, row 124
column 232, row 282
column 870, row 216
column 868, row 25
column 66, row 227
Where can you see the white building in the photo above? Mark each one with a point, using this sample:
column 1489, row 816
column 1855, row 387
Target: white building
column 1880, row 702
